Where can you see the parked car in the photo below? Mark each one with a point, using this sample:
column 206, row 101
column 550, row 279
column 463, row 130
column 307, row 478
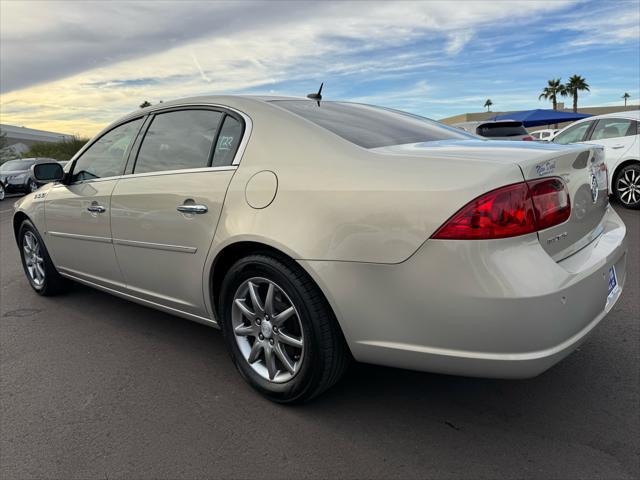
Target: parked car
column 619, row 135
column 16, row 177
column 312, row 232
column 497, row 129
column 544, row 135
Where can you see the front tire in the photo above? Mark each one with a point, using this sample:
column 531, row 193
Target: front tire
column 626, row 186
column 280, row 330
column 2, row 192
column 36, row 262
column 32, row 186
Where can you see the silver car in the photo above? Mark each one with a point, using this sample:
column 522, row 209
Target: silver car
column 315, row 232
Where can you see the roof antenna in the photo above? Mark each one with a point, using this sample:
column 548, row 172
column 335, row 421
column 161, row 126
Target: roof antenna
column 317, row 96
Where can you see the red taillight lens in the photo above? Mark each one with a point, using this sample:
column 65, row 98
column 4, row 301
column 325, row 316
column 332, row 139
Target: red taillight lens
column 510, row 211
column 528, row 139
column 550, row 201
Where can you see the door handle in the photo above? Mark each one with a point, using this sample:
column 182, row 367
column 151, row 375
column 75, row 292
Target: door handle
column 96, row 209
column 193, row 208
column 617, row 147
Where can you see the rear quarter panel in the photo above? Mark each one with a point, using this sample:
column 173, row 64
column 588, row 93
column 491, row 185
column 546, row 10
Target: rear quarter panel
column 337, row 201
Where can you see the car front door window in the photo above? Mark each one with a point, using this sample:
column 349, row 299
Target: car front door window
column 107, row 156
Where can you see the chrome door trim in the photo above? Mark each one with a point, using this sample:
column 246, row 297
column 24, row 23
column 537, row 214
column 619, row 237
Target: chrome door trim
column 77, row 236
column 153, row 174
column 148, row 303
column 155, row 246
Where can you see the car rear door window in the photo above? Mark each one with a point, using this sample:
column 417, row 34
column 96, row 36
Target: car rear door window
column 612, row 128
column 228, row 140
column 178, row 140
column 107, row 156
column 575, row 133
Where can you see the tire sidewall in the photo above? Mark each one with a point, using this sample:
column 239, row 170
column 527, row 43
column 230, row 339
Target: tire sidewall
column 634, row 166
column 260, row 266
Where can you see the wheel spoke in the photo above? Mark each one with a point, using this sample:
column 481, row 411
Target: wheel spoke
column 268, row 301
column 283, row 356
column 40, row 271
column 255, row 351
column 282, row 317
column 270, row 361
column 289, row 340
column 255, row 299
column 246, row 330
column 245, row 310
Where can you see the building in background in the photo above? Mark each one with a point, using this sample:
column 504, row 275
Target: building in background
column 20, row 139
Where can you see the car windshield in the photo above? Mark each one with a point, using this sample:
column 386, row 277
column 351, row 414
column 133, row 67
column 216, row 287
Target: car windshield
column 501, row 129
column 13, row 165
column 372, row 127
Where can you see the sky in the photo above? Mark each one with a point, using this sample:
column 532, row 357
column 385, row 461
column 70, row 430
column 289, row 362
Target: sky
column 74, row 67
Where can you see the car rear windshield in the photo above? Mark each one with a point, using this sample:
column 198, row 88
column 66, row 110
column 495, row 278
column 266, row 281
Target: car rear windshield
column 371, row 127
column 501, row 129
column 16, row 165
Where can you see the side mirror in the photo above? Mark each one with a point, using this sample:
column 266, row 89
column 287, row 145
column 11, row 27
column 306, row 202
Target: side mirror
column 47, row 172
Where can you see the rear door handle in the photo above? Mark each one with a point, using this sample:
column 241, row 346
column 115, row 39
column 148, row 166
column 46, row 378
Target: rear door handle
column 193, row 208
column 617, row 147
column 96, row 209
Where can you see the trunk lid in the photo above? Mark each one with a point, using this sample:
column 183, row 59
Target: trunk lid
column 580, row 166
column 583, row 171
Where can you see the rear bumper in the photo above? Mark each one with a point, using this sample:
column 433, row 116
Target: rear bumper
column 500, row 308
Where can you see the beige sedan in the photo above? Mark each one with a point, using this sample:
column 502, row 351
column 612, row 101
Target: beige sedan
column 316, row 232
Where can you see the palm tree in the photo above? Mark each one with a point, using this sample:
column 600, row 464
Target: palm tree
column 626, row 97
column 488, row 104
column 575, row 84
column 552, row 90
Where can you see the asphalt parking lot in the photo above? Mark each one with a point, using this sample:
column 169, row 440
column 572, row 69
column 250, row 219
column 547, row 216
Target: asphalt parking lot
column 92, row 386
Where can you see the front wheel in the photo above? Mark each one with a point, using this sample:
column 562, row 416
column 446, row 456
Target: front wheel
column 32, row 186
column 626, row 186
column 38, row 267
column 279, row 329
column 2, row 194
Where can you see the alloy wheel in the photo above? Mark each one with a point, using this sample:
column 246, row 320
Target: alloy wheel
column 33, row 259
column 628, row 186
column 1, row 192
column 33, row 186
column 267, row 329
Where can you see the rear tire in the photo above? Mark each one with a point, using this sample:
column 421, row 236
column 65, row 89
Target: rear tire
column 315, row 352
column 626, row 186
column 36, row 262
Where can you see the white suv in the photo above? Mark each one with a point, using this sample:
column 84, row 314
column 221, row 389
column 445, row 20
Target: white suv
column 618, row 133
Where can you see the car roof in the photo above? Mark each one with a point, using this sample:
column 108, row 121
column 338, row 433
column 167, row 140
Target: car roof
column 628, row 114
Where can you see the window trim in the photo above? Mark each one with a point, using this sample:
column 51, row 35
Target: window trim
column 246, row 134
column 244, row 120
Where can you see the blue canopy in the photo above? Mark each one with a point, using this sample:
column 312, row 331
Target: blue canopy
column 537, row 117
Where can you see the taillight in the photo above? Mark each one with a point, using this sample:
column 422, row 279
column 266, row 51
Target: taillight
column 528, row 138
column 550, row 201
column 510, row 211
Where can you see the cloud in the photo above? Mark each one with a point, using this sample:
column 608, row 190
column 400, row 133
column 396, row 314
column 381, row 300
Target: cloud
column 74, row 66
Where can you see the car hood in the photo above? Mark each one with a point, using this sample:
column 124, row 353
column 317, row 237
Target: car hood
column 492, row 151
